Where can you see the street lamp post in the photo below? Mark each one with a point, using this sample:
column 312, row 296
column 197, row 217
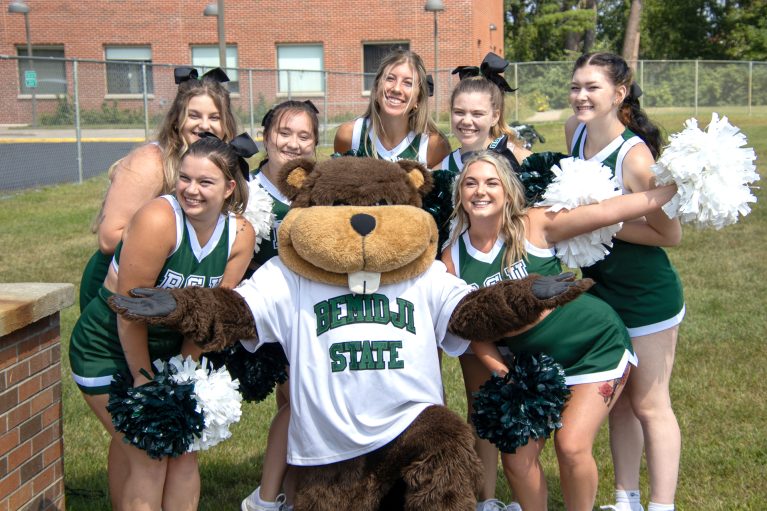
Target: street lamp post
column 435, row 6
column 22, row 8
column 217, row 10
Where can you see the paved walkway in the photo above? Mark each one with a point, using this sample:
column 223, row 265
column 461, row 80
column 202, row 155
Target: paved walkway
column 547, row 116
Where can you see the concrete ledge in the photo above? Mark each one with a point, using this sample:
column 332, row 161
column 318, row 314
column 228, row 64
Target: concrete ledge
column 24, row 303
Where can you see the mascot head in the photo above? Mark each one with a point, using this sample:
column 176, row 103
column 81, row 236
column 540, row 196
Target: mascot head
column 356, row 222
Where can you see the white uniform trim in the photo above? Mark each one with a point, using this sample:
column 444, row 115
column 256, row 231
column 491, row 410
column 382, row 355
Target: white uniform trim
column 607, row 151
column 627, row 145
column 659, row 326
column 576, row 136
column 389, row 154
column 357, row 132
column 260, row 179
column 199, row 252
column 97, row 381
column 612, row 374
column 456, row 156
column 490, row 256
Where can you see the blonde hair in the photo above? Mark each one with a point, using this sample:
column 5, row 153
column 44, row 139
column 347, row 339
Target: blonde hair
column 172, row 144
column 418, row 119
column 169, row 137
column 514, row 207
column 483, row 85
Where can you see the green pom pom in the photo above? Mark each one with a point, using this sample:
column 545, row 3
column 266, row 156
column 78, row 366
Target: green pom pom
column 439, row 202
column 526, row 403
column 535, row 174
column 258, row 373
column 159, row 417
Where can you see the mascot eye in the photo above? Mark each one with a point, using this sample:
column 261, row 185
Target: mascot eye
column 341, row 203
column 382, row 202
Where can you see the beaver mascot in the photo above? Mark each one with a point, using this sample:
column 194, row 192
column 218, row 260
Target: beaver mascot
column 361, row 308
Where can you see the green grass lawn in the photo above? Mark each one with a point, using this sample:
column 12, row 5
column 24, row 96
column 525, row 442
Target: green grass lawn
column 719, row 383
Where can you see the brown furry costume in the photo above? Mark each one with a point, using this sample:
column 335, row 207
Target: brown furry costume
column 350, row 215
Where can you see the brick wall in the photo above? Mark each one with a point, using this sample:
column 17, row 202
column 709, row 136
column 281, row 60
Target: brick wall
column 85, row 27
column 31, row 444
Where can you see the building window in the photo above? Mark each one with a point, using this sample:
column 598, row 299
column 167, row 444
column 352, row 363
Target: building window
column 126, row 78
column 51, row 74
column 205, row 58
column 301, row 69
column 372, row 55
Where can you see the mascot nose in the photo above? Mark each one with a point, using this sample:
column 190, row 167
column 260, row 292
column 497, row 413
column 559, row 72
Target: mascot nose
column 363, row 223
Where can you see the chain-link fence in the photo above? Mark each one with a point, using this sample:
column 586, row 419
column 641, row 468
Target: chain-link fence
column 65, row 120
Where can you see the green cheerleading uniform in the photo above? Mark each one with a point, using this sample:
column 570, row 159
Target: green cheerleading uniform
column 280, row 207
column 95, row 352
column 94, row 274
column 638, row 281
column 413, row 147
column 93, row 277
column 585, row 336
column 454, row 163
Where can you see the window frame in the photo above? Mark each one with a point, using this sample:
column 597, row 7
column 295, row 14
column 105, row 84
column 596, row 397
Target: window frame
column 369, row 76
column 126, row 62
column 42, row 68
column 301, row 92
column 232, row 71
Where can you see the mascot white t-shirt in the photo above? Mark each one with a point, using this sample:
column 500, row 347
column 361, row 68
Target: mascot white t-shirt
column 362, row 367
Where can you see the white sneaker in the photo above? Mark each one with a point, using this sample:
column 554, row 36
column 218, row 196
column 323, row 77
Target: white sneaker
column 249, row 503
column 514, row 506
column 491, row 505
column 623, row 506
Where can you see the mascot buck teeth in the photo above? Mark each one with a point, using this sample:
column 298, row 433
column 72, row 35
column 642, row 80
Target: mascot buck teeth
column 361, row 307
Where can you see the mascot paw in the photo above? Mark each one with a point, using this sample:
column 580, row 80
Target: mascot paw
column 144, row 303
column 554, row 290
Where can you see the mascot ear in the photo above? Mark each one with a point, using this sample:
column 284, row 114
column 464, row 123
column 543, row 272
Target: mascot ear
column 419, row 178
column 292, row 177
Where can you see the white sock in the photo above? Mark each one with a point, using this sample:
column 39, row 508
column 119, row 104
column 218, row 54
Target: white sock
column 627, row 500
column 259, row 501
column 654, row 506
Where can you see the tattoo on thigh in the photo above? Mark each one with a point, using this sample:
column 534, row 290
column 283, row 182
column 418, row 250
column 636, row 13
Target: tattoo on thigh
column 608, row 389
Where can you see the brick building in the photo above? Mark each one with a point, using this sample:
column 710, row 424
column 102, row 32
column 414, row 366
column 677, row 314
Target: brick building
column 332, row 42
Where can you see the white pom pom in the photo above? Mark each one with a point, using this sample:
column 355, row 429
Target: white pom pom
column 259, row 212
column 217, row 398
column 712, row 171
column 578, row 183
column 185, row 369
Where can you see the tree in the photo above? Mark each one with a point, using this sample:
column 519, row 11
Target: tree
column 668, row 30
column 548, row 29
column 742, row 32
column 632, row 37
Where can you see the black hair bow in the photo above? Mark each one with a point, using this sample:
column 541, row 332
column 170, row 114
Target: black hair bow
column 635, row 91
column 242, row 145
column 498, row 146
column 185, row 73
column 267, row 119
column 491, row 68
